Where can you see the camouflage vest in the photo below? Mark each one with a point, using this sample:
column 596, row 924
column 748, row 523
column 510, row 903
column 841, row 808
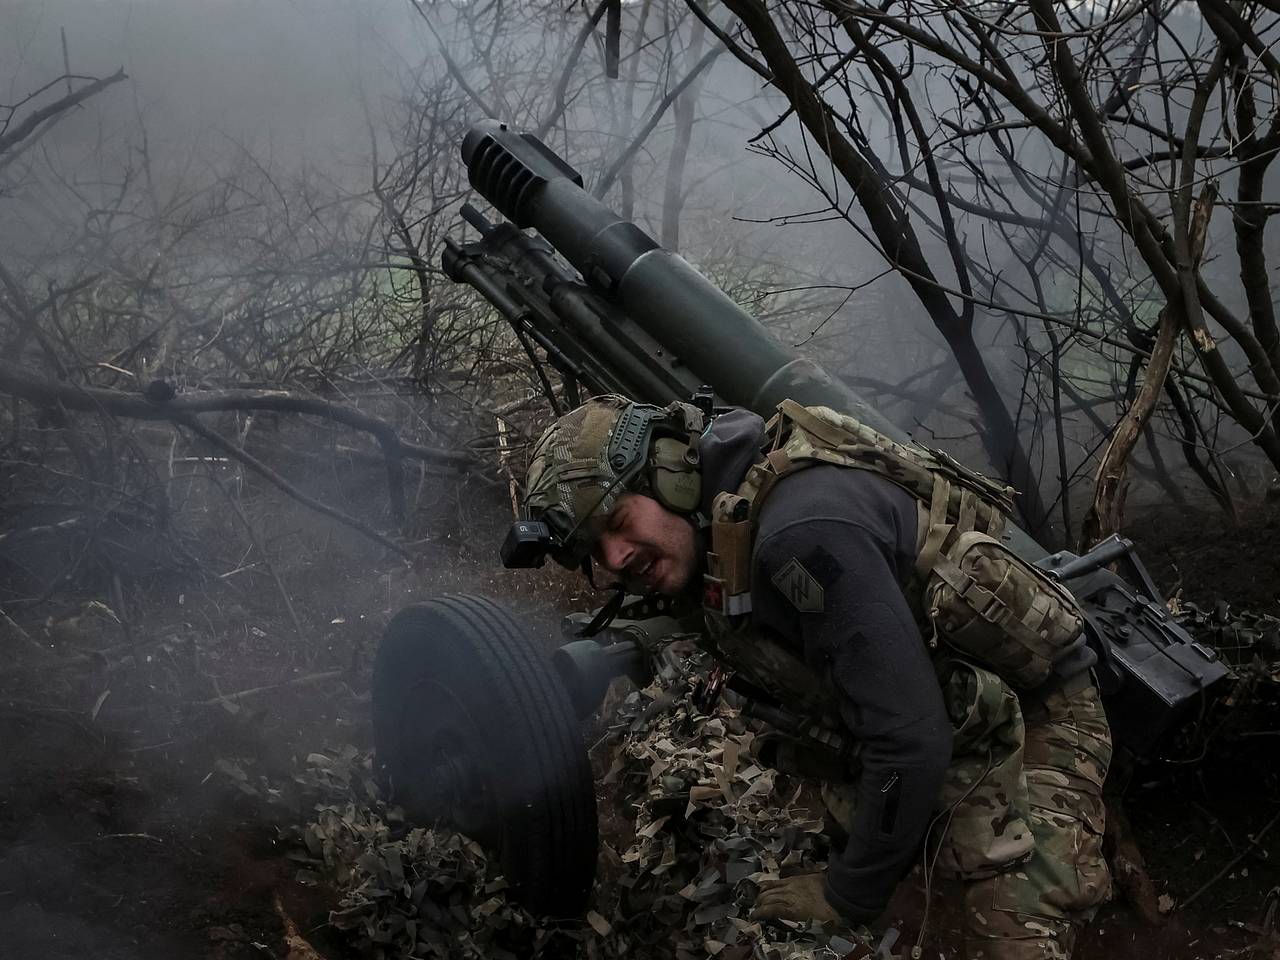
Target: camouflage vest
column 972, row 593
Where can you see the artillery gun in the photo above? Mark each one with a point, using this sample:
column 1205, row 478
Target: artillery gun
column 474, row 726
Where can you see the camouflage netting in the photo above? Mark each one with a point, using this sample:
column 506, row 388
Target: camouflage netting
column 691, row 823
column 1247, row 640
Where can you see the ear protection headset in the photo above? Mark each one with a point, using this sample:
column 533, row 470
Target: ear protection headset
column 659, row 446
column 652, row 450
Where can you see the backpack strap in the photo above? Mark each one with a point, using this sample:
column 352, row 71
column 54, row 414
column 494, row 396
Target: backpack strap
column 777, row 464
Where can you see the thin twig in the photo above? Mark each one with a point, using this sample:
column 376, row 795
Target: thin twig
column 1253, row 845
column 117, row 598
column 253, row 691
column 8, row 626
column 125, row 836
column 266, row 560
column 281, row 483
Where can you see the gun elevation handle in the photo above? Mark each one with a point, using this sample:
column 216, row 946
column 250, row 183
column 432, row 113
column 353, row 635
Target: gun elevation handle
column 1106, row 552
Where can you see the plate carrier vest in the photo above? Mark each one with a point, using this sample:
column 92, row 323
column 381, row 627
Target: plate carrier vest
column 976, row 596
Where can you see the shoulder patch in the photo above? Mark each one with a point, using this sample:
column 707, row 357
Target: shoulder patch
column 800, row 587
column 825, row 568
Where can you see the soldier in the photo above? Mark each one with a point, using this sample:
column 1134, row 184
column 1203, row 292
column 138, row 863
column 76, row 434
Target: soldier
column 863, row 582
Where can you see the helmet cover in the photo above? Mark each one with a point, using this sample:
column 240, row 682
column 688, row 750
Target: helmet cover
column 588, row 458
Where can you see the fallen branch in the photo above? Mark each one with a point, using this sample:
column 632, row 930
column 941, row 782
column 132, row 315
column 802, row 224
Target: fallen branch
column 18, row 382
column 299, row 948
column 1128, row 867
column 1234, row 861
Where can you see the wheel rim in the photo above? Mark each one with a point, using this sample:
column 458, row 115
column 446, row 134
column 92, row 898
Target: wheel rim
column 453, row 781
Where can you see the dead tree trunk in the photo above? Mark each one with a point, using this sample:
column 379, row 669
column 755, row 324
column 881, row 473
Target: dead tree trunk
column 1106, row 515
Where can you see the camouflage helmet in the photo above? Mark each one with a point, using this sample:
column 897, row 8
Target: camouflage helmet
column 588, row 458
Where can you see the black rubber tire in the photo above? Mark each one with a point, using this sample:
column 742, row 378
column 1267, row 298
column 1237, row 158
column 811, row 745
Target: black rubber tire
column 459, row 668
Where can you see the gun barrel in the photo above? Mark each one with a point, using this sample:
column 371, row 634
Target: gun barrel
column 674, row 303
column 659, row 290
column 651, row 302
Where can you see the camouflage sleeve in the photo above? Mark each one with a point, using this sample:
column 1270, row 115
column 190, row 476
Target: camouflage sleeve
column 861, row 633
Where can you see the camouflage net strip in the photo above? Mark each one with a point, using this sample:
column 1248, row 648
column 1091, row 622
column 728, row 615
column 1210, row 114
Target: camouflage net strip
column 690, row 825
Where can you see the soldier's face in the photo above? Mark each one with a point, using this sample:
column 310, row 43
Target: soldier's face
column 645, row 545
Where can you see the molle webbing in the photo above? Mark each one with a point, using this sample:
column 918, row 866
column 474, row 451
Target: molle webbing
column 977, row 595
column 957, row 499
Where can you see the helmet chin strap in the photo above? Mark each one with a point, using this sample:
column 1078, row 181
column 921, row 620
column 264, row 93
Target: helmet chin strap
column 606, row 614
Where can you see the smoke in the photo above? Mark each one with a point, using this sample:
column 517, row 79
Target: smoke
column 291, row 83
column 283, row 75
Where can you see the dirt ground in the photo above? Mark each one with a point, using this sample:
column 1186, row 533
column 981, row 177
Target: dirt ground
column 125, row 832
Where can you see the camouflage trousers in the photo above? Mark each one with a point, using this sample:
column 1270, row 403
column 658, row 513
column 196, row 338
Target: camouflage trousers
column 1021, row 816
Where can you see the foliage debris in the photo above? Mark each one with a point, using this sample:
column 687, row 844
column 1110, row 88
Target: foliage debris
column 691, row 824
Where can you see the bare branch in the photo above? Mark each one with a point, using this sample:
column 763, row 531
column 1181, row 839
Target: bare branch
column 30, row 123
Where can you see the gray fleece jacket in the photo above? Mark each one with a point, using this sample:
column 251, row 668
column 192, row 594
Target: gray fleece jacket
column 854, row 534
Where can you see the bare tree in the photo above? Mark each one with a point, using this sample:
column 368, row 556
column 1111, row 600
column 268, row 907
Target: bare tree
column 1064, row 143
column 205, row 298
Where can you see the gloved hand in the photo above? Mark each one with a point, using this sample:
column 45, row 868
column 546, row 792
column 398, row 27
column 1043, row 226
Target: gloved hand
column 795, row 898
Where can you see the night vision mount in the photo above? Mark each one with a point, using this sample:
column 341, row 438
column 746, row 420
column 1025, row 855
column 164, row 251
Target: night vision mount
column 527, row 545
